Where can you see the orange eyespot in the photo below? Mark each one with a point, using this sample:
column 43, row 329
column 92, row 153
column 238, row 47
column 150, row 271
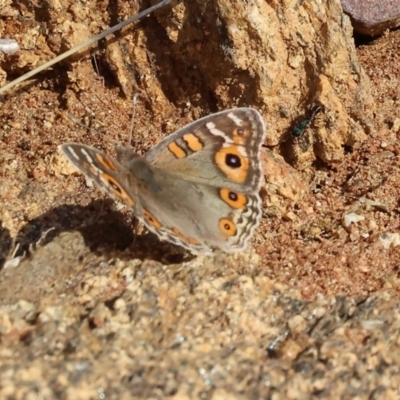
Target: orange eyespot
column 234, row 199
column 227, row 227
column 116, row 189
column 240, row 135
column 232, row 163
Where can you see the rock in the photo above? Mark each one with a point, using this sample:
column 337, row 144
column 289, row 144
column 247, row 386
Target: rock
column 279, row 60
column 373, row 17
column 223, row 54
column 284, row 186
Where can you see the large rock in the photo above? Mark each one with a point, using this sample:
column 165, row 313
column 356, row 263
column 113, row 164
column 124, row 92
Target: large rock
column 217, row 54
column 373, row 17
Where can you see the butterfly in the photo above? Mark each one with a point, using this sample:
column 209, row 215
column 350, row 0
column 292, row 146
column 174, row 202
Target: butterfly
column 198, row 188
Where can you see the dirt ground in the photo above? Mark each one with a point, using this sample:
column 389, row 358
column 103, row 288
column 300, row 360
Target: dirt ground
column 312, row 250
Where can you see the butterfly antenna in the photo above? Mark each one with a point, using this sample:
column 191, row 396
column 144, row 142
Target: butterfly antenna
column 85, row 127
column 75, row 121
column 134, row 100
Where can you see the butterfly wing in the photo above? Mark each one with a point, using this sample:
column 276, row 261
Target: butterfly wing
column 211, row 175
column 198, row 188
column 107, row 172
column 220, row 148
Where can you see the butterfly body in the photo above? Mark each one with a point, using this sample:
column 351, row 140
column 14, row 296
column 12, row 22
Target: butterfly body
column 197, row 188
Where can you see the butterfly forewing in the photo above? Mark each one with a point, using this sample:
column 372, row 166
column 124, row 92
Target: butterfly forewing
column 107, row 172
column 220, row 148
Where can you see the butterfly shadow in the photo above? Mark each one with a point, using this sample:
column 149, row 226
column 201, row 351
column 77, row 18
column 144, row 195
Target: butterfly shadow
column 5, row 244
column 105, row 231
